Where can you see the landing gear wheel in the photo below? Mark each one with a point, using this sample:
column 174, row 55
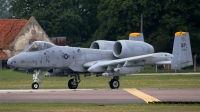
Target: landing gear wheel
column 114, row 84
column 72, row 84
column 35, row 85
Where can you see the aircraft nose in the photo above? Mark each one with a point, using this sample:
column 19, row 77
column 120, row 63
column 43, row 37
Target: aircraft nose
column 9, row 62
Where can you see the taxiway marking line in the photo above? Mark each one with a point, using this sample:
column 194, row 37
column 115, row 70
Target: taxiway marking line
column 147, row 98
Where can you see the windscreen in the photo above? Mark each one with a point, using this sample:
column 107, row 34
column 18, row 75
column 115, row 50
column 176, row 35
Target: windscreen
column 33, row 48
column 27, row 47
column 37, row 46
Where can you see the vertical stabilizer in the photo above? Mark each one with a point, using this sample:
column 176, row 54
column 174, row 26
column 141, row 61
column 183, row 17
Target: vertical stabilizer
column 136, row 36
column 181, row 51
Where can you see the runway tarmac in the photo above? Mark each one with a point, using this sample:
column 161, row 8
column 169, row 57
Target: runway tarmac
column 99, row 96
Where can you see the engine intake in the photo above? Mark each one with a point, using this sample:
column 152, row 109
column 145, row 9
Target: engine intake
column 102, row 44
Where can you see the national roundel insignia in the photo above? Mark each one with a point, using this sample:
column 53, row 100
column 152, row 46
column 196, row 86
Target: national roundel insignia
column 66, row 56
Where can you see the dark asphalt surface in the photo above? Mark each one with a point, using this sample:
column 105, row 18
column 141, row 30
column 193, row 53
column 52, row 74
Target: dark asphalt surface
column 183, row 95
column 100, row 96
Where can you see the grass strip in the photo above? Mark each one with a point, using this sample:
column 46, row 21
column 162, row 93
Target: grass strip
column 15, row 80
column 63, row 107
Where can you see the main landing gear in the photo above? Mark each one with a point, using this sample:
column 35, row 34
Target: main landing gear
column 73, row 83
column 114, row 82
column 37, row 78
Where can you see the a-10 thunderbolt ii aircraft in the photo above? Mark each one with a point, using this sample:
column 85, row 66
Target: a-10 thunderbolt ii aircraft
column 106, row 58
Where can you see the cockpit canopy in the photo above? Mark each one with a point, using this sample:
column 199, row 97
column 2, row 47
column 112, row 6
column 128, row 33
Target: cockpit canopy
column 37, row 46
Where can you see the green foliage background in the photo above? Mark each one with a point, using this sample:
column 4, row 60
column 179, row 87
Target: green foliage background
column 4, row 10
column 83, row 21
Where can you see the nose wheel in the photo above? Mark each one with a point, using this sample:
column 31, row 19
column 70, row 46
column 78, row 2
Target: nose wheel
column 35, row 85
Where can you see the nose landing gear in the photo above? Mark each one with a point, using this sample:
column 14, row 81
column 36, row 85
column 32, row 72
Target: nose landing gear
column 35, row 85
column 37, row 78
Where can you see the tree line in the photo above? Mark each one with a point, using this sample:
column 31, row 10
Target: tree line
column 83, row 21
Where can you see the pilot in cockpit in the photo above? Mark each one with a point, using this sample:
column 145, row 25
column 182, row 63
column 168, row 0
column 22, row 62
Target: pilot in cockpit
column 33, row 48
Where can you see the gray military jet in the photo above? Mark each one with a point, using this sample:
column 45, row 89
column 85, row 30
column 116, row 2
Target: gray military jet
column 105, row 58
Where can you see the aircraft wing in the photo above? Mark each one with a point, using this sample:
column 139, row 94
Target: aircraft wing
column 113, row 62
column 91, row 63
column 106, row 63
column 118, row 61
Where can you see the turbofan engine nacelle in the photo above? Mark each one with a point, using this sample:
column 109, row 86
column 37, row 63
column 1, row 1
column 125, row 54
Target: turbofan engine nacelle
column 102, row 44
column 127, row 48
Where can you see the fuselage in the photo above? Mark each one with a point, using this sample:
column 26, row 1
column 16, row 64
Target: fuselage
column 61, row 57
